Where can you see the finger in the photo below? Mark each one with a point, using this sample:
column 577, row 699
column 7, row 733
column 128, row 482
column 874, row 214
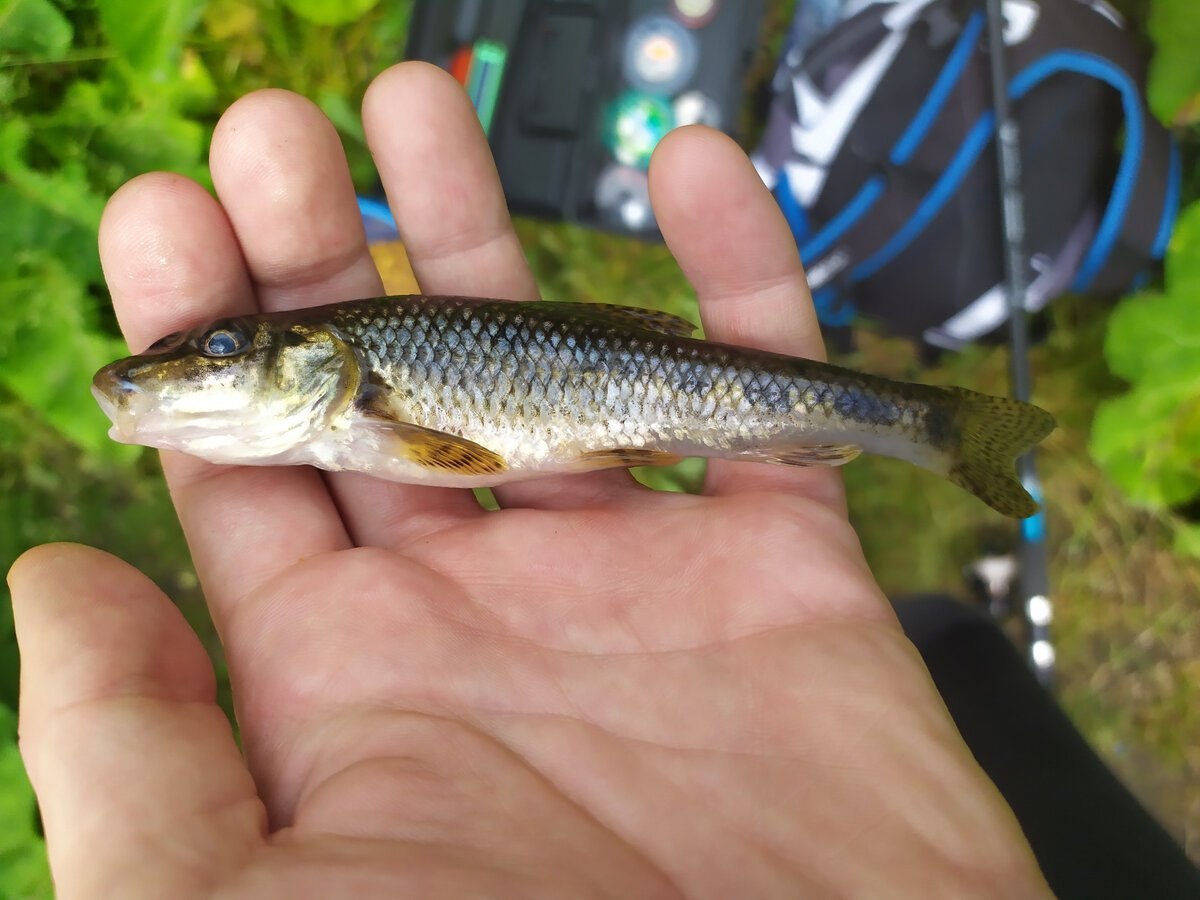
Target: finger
column 443, row 189
column 135, row 767
column 171, row 261
column 281, row 174
column 732, row 242
column 442, row 185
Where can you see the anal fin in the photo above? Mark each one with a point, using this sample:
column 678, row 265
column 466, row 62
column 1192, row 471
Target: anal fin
column 805, row 455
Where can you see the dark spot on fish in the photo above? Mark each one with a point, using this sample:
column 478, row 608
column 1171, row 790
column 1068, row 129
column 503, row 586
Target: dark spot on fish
column 940, row 428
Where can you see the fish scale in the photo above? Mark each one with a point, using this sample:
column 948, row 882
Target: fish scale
column 557, row 370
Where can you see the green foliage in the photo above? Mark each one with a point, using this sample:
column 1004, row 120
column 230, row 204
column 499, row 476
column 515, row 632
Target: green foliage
column 1187, row 540
column 249, row 45
column 150, row 35
column 64, row 147
column 33, row 27
column 1174, row 86
column 330, row 12
column 91, row 94
column 1148, row 440
column 24, row 873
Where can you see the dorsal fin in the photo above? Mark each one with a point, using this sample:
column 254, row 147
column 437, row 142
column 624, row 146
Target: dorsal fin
column 631, row 317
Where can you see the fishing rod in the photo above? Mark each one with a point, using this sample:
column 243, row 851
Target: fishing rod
column 1033, row 571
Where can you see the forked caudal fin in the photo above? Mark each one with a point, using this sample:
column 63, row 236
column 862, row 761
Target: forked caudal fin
column 992, row 433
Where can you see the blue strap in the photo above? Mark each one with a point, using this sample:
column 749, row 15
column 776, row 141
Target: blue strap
column 956, row 63
column 905, row 147
column 981, row 134
column 797, row 218
column 1131, row 159
column 847, row 216
column 1166, row 223
column 942, row 190
column 1170, row 205
column 832, row 309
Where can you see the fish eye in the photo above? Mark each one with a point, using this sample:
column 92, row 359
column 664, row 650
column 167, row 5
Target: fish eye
column 227, row 340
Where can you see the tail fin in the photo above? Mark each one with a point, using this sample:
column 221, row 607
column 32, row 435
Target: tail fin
column 993, row 432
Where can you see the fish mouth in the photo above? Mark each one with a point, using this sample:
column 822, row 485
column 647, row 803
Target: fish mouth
column 119, row 414
column 115, row 394
column 137, row 417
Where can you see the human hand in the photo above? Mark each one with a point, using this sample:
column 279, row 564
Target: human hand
column 598, row 690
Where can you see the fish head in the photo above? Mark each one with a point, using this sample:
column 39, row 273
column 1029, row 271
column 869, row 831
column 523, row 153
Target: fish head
column 246, row 389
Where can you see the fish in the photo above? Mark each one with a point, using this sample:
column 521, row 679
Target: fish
column 472, row 392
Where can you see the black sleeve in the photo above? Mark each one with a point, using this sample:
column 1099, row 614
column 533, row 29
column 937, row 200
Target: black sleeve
column 1092, row 838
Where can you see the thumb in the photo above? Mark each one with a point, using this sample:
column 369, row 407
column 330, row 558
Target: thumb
column 141, row 785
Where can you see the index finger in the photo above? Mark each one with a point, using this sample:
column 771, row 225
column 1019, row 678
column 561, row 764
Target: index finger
column 732, row 242
column 172, row 261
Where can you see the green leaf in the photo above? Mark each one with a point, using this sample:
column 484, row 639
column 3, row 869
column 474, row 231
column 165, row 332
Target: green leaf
column 1182, row 270
column 10, row 665
column 343, row 116
column 1187, row 540
column 1142, row 441
column 1174, row 82
column 1155, row 334
column 330, row 12
column 1149, row 439
column 1155, row 337
column 149, row 34
column 52, row 351
column 24, row 871
column 102, row 129
column 45, row 214
column 152, row 139
column 33, row 28
column 685, row 477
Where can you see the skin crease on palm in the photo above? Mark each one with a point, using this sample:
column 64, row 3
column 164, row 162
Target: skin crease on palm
column 598, row 691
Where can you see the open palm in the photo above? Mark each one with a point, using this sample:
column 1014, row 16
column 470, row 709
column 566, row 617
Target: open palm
column 599, row 690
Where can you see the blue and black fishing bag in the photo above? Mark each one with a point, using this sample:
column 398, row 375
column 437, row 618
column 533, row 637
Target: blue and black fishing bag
column 879, row 147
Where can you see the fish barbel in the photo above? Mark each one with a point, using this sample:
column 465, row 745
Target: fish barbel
column 470, row 392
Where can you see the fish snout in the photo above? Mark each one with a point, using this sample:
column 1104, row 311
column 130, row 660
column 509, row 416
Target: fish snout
column 121, row 399
column 113, row 383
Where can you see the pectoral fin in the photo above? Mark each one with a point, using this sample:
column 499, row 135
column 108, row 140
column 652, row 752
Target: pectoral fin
column 810, row 455
column 427, row 447
column 447, row 452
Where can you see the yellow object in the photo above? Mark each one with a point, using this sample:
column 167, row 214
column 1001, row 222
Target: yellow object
column 391, row 260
